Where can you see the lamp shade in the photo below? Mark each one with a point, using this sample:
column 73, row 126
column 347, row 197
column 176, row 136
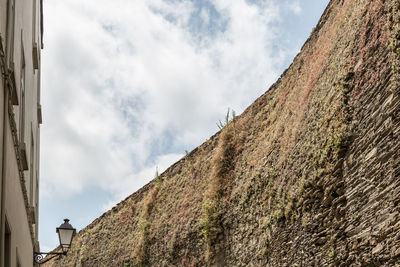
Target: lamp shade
column 65, row 234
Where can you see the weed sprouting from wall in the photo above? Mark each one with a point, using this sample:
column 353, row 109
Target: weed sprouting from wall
column 229, row 117
column 212, row 207
column 144, row 224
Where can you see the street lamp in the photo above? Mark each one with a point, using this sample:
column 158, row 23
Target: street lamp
column 65, row 234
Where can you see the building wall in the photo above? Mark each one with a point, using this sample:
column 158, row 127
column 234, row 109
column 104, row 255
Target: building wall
column 19, row 131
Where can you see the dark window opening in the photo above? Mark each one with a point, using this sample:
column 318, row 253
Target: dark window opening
column 31, row 173
column 10, row 29
column 7, row 245
column 22, row 94
column 18, row 261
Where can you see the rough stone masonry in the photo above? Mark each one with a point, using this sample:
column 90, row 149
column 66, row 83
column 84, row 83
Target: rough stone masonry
column 308, row 175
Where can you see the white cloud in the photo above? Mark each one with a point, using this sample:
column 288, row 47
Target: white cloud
column 128, row 85
column 123, row 187
column 295, row 7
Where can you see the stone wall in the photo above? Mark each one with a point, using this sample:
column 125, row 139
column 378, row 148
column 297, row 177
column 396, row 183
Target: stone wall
column 308, row 175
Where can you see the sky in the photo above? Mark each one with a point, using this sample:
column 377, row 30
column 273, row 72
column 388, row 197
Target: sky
column 128, row 86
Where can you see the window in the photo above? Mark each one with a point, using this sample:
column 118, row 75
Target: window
column 7, row 245
column 21, row 129
column 34, row 8
column 10, row 29
column 37, row 191
column 22, row 95
column 36, row 203
column 31, row 173
column 35, row 47
column 38, row 87
column 18, row 261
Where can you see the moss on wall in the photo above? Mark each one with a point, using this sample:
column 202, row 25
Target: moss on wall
column 306, row 176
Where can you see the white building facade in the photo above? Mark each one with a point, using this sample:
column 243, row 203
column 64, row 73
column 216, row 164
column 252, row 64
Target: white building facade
column 21, row 32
